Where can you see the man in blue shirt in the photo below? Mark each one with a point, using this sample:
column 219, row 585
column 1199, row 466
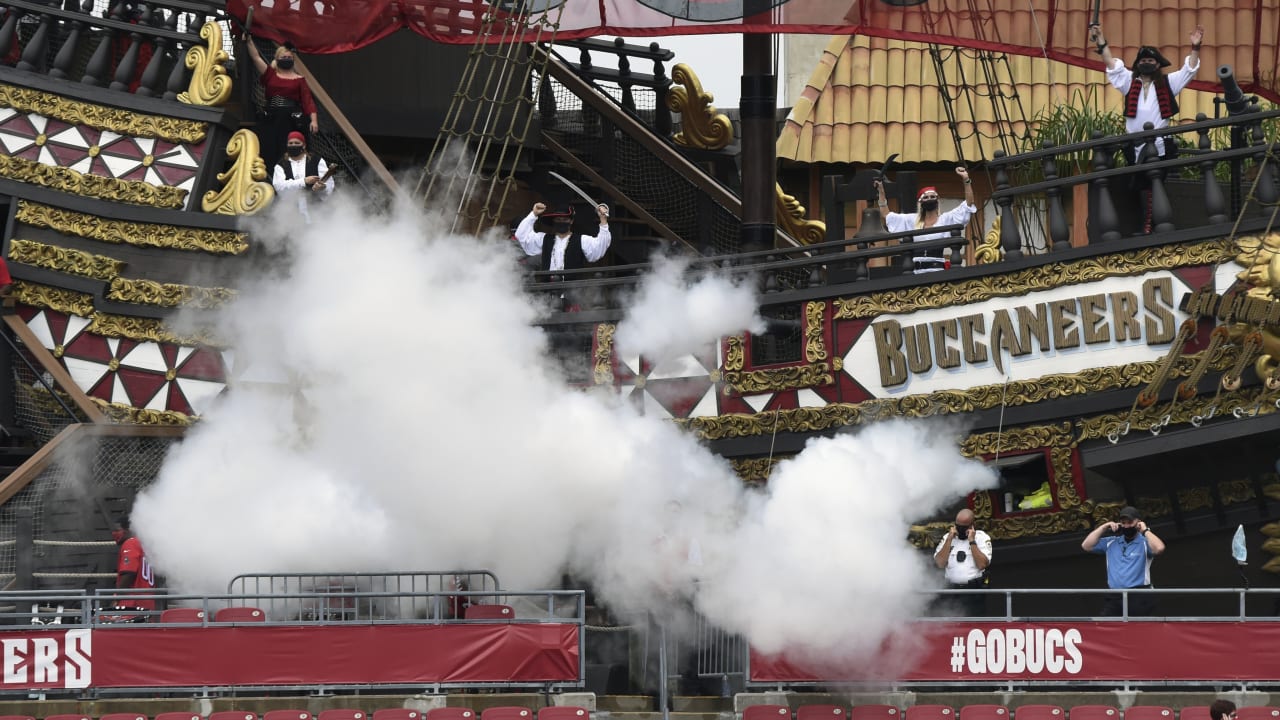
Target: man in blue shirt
column 1129, row 546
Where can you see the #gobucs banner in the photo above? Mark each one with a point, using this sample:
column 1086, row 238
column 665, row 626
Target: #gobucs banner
column 1204, row 651
column 1244, row 34
column 155, row 656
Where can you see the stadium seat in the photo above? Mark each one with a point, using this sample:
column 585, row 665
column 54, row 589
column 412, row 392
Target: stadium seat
column 1258, row 712
column 821, row 712
column 1094, row 712
column 930, row 712
column 875, row 712
column 342, row 715
column 984, row 712
column 489, row 612
column 70, row 716
column 123, row 716
column 286, row 715
column 762, row 712
column 182, row 615
column 244, row 614
column 1039, row 712
column 564, row 712
column 397, row 714
column 1194, row 712
column 451, row 713
column 1148, row 712
column 506, row 712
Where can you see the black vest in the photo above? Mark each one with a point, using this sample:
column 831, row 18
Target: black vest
column 574, row 258
column 313, row 166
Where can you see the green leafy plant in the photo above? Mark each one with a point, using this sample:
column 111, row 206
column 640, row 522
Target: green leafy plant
column 1066, row 123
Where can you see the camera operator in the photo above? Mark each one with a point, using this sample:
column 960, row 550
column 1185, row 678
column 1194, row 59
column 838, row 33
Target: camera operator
column 1129, row 546
column 964, row 555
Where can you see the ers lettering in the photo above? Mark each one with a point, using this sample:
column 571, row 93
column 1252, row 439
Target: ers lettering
column 61, row 660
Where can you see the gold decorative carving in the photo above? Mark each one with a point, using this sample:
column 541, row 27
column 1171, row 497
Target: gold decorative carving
column 1060, row 461
column 988, row 251
column 815, row 350
column 1018, row 392
column 142, row 416
column 735, row 357
column 701, row 126
column 1038, row 278
column 171, row 237
column 792, row 220
column 603, row 373
column 210, row 84
column 124, row 122
column 44, row 296
column 783, row 378
column 243, row 192
column 136, row 328
column 65, row 260
column 756, row 471
column 77, row 183
column 150, row 292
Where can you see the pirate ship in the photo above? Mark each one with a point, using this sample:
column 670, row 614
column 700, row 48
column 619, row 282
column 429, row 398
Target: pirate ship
column 1094, row 366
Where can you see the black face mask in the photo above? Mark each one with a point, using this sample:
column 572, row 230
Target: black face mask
column 295, row 150
column 562, row 227
column 1148, row 68
column 928, row 205
column 962, row 531
column 285, row 63
column 1129, row 532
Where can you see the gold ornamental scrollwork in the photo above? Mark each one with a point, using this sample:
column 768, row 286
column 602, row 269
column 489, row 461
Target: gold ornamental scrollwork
column 210, row 84
column 136, row 328
column 1038, row 278
column 140, row 234
column 777, row 379
column 988, row 251
column 75, row 182
column 603, row 371
column 815, row 350
column 243, row 192
column 124, row 122
column 735, row 357
column 701, row 126
column 44, row 296
column 150, row 292
column 143, row 416
column 792, row 220
column 64, row 260
column 756, row 471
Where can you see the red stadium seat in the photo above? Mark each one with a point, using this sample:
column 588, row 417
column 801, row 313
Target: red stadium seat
column 182, row 615
column 451, row 713
column 1194, row 712
column 1258, row 712
column 1094, row 712
column 397, row 714
column 984, row 712
column 286, row 715
column 762, row 712
column 342, row 715
column 489, row 612
column 875, row 712
column 1039, row 712
column 930, row 712
column 178, row 716
column 506, row 712
column 1148, row 712
column 821, row 712
column 565, row 712
column 245, row 614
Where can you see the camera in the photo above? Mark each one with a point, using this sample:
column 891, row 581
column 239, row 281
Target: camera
column 960, row 556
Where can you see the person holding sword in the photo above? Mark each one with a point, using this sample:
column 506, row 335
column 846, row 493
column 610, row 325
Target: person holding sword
column 567, row 250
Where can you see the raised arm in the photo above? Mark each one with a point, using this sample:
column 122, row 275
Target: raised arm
column 968, row 184
column 594, row 248
column 1197, row 37
column 530, row 241
column 1100, row 45
column 254, row 55
column 1091, row 541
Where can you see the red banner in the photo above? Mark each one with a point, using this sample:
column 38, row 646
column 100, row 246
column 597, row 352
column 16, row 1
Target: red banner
column 159, row 656
column 948, row 652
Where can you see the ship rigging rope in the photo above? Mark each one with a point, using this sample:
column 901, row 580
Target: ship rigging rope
column 68, row 543
column 47, row 575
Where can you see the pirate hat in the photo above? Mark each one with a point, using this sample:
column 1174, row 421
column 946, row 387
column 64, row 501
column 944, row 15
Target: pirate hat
column 558, row 210
column 1146, row 51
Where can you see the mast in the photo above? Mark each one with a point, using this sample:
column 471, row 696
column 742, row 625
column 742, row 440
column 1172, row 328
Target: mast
column 757, row 107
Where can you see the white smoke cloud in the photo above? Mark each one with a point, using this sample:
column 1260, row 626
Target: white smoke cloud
column 411, row 420
column 673, row 315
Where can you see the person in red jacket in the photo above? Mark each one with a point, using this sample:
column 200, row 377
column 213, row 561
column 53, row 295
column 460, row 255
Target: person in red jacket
column 133, row 570
column 289, row 105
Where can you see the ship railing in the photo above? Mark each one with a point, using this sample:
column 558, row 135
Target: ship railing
column 322, row 606
column 644, row 95
column 136, row 47
column 1032, row 193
